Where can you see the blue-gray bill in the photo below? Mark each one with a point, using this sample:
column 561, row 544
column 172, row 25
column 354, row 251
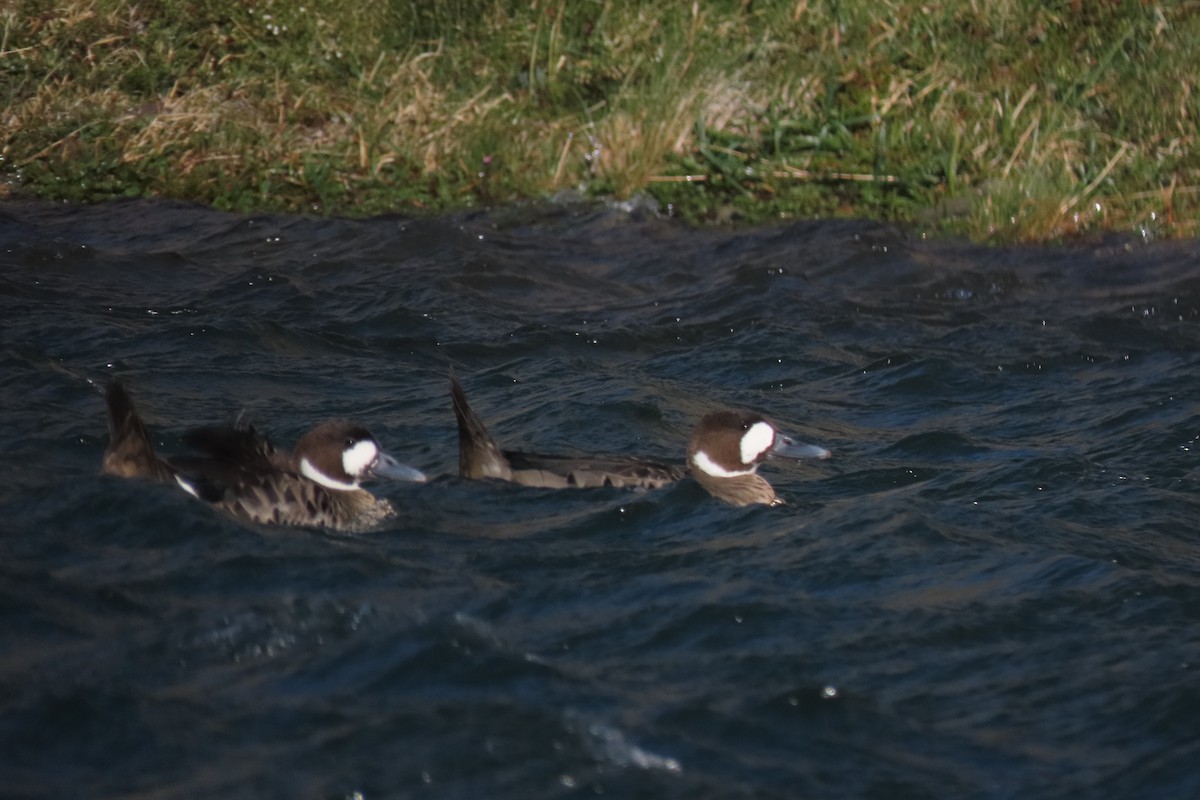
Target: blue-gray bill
column 786, row 447
column 388, row 467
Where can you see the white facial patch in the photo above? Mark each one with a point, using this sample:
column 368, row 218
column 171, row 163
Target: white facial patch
column 187, row 486
column 356, row 459
column 314, row 474
column 702, row 462
column 756, row 442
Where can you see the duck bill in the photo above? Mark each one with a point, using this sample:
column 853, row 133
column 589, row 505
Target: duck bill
column 786, row 447
column 388, row 467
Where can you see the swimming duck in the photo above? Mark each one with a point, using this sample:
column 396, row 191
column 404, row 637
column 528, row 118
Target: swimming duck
column 724, row 453
column 241, row 472
column 727, row 448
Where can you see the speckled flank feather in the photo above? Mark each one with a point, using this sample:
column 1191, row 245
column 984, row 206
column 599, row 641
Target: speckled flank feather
column 243, row 474
column 742, row 490
column 289, row 499
column 239, row 471
column 480, row 457
column 587, row 472
column 724, row 453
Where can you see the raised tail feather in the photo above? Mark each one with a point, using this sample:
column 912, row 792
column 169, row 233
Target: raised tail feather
column 478, row 454
column 129, row 453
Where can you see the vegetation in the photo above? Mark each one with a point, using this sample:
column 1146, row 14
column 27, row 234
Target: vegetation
column 1000, row 119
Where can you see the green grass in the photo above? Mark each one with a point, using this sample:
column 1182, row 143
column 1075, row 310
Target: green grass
column 1005, row 120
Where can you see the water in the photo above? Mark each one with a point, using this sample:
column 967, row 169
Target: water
column 991, row 590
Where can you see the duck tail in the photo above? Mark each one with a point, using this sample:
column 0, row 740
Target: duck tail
column 129, row 453
column 478, row 454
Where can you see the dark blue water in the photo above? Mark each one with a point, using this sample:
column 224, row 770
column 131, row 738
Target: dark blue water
column 991, row 590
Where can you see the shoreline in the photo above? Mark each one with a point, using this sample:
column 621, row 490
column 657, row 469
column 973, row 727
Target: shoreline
column 1013, row 123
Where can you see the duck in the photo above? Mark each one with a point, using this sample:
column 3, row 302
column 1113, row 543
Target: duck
column 726, row 449
column 239, row 471
column 724, row 452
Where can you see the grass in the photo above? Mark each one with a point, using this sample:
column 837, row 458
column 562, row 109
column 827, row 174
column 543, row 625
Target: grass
column 1002, row 120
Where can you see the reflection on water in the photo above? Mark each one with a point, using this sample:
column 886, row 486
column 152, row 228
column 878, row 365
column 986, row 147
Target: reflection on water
column 989, row 590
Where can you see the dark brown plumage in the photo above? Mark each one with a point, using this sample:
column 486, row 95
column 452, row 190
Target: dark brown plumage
column 239, row 471
column 739, row 490
column 719, row 435
column 480, row 457
column 129, row 453
column 724, row 453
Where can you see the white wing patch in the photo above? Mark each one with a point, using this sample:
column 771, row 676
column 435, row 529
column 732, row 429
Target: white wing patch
column 756, row 442
column 702, row 462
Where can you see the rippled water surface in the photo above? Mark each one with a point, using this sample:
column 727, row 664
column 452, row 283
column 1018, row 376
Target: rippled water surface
column 991, row 590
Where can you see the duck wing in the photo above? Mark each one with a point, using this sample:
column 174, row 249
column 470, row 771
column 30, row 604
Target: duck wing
column 232, row 444
column 230, row 459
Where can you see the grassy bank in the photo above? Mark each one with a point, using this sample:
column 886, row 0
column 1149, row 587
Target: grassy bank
column 1003, row 120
